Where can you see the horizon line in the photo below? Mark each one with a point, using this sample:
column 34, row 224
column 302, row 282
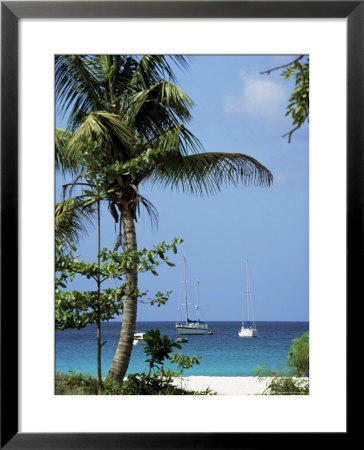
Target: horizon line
column 205, row 321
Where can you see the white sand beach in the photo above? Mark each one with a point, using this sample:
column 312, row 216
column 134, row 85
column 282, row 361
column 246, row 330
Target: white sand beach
column 227, row 385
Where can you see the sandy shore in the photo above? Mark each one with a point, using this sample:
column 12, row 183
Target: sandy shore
column 227, row 385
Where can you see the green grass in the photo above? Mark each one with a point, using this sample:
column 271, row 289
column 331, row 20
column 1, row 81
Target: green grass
column 75, row 384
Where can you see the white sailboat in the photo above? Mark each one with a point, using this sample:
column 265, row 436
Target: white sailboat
column 191, row 326
column 248, row 328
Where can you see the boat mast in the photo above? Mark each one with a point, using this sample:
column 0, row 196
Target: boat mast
column 247, row 290
column 185, row 282
column 197, row 304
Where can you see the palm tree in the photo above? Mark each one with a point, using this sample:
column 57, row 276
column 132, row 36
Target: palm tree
column 127, row 127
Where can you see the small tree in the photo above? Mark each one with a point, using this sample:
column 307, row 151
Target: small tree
column 298, row 360
column 294, row 381
column 158, row 349
column 76, row 309
column 158, row 380
column 183, row 362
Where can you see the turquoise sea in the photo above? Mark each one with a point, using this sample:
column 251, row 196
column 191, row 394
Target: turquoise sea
column 223, row 353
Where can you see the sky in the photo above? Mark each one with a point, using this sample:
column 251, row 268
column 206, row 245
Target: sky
column 236, row 109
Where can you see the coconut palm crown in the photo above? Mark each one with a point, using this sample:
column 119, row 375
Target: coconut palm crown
column 127, row 126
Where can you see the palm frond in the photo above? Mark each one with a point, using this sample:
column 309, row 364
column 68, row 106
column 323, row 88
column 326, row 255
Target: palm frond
column 65, row 161
column 206, row 173
column 61, row 140
column 77, row 87
column 150, row 69
column 158, row 108
column 177, row 140
column 103, row 128
column 72, row 218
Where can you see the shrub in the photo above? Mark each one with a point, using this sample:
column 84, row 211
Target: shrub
column 295, row 380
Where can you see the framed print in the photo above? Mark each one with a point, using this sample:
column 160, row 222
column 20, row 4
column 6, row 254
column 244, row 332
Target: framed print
column 331, row 33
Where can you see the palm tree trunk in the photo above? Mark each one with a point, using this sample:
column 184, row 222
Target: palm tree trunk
column 121, row 359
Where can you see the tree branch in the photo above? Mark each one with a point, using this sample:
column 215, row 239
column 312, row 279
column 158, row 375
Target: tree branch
column 282, row 67
column 289, row 134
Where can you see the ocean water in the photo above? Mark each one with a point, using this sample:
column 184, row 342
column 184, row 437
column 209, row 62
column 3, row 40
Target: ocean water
column 223, row 353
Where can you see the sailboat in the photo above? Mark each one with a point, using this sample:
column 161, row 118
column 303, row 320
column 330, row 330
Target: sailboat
column 248, row 328
column 191, row 326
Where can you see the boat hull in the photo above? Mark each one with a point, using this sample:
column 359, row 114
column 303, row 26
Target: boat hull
column 248, row 333
column 186, row 329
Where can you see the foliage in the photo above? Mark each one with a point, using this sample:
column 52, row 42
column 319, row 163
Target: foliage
column 72, row 218
column 81, row 384
column 157, row 349
column 183, row 362
column 141, row 384
column 158, row 380
column 76, row 384
column 298, row 104
column 64, row 255
column 77, row 309
column 298, row 357
column 283, row 384
column 293, row 381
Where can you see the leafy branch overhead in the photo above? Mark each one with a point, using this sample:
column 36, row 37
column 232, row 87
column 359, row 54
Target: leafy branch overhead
column 77, row 309
column 299, row 103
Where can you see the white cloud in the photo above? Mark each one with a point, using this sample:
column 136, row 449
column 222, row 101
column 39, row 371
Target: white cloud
column 259, row 97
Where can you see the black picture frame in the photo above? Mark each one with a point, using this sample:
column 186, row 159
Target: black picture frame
column 11, row 12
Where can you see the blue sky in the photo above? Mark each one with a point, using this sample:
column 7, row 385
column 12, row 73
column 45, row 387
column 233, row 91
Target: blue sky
column 236, row 109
